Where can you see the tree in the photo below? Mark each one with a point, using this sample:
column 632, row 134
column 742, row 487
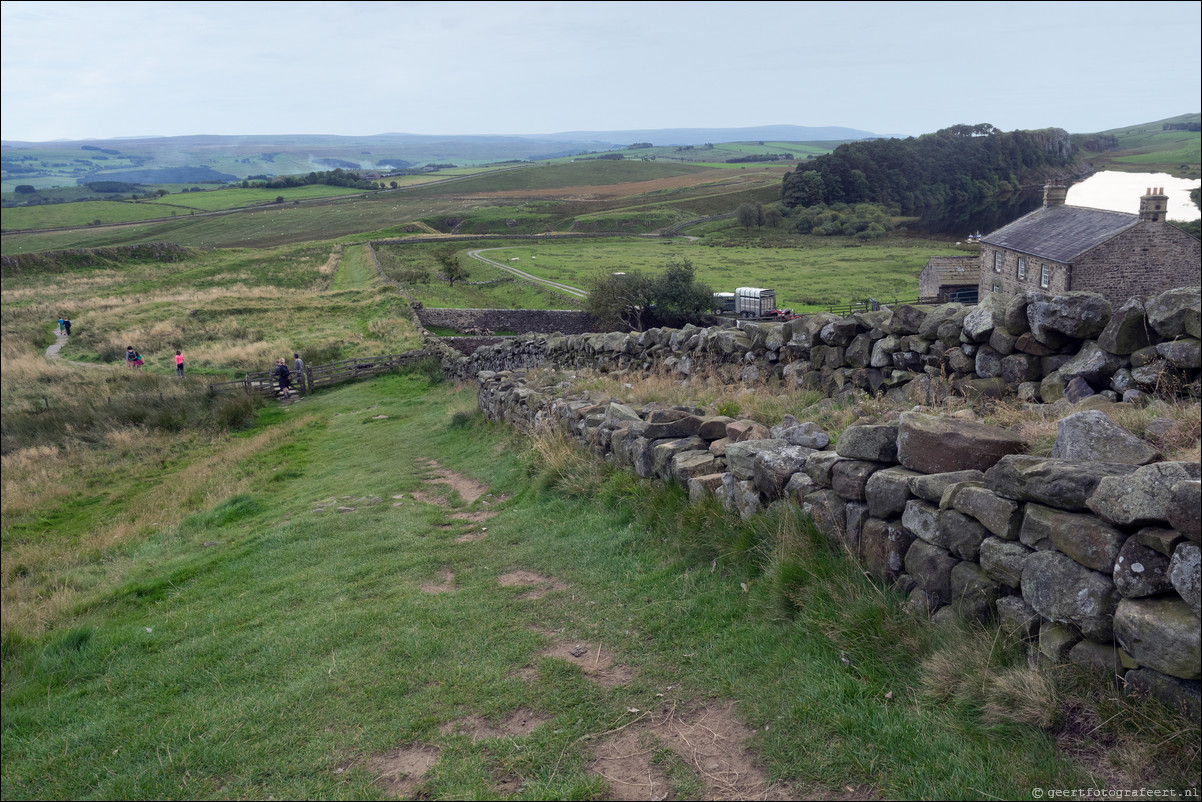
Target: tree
column 452, row 271
column 748, row 215
column 620, row 300
column 25, row 189
column 679, row 297
column 161, row 192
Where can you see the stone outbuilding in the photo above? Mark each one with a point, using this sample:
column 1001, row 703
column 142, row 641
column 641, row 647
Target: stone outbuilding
column 950, row 279
column 1060, row 248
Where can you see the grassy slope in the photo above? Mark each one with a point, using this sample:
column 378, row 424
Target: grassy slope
column 1149, row 148
column 262, row 648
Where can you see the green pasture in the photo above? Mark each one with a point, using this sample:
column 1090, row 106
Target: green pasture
column 415, row 265
column 810, row 276
column 180, row 203
column 83, row 213
column 237, row 197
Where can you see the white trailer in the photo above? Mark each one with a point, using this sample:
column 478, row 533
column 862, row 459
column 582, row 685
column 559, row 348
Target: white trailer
column 755, row 302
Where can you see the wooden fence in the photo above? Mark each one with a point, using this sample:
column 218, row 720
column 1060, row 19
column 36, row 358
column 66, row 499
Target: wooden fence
column 314, row 376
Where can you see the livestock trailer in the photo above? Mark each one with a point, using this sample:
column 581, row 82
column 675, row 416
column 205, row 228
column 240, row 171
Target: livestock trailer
column 755, row 302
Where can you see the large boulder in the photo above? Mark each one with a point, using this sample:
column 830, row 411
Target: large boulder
column 932, row 567
column 1140, row 499
column 1140, row 571
column 1003, row 560
column 1080, row 315
column 1094, row 437
column 773, row 468
column 874, row 442
column 987, row 315
column 1127, row 331
column 1162, row 634
column 1176, row 313
column 849, row 478
column 932, row 486
column 1001, row 516
column 1066, row 484
column 933, row 444
column 1062, row 590
column 740, row 457
column 1092, row 364
column 797, row 433
column 1084, row 538
column 884, row 546
column 1184, row 510
column 888, row 490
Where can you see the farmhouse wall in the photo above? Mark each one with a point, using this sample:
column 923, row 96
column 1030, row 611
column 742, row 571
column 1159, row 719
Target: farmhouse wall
column 1093, row 554
column 1168, row 257
column 1002, row 275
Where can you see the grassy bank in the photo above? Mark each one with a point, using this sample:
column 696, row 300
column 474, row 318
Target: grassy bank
column 399, row 598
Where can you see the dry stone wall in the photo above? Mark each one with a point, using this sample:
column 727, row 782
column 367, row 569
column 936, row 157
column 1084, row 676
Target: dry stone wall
column 565, row 321
column 1092, row 553
column 1095, row 562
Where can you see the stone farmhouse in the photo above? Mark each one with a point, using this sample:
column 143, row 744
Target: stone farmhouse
column 1060, row 248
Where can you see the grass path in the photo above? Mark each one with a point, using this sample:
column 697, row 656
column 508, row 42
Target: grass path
column 395, row 603
column 354, row 270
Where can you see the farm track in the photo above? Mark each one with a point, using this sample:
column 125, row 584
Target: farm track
column 564, row 288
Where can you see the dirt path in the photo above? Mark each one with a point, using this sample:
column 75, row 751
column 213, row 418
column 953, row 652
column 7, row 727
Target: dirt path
column 60, row 340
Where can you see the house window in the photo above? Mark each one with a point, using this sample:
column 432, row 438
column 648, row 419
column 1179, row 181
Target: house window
column 997, row 261
column 1022, row 268
column 997, row 286
column 1045, row 275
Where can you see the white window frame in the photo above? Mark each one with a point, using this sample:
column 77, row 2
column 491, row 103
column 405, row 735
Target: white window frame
column 1022, row 268
column 998, row 260
column 1045, row 276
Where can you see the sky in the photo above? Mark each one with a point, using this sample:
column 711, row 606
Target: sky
column 97, row 70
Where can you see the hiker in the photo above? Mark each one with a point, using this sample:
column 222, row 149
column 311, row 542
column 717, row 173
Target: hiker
column 298, row 364
column 67, row 326
column 283, row 378
column 133, row 358
column 179, row 364
column 60, row 326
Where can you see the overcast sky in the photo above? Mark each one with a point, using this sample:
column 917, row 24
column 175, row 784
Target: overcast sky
column 81, row 70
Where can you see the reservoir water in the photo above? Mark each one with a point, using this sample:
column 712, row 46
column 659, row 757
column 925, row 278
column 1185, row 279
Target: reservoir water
column 1120, row 192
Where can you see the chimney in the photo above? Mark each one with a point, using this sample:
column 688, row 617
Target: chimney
column 1153, row 206
column 1054, row 195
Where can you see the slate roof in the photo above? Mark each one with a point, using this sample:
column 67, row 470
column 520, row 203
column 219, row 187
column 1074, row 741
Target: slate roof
column 1061, row 233
column 956, row 269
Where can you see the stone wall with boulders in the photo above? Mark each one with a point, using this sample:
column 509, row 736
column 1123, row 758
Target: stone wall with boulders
column 1035, row 346
column 543, row 321
column 1092, row 554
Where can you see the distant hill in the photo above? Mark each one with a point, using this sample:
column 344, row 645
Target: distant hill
column 700, row 136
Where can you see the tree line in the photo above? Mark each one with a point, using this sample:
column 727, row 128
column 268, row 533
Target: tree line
column 956, row 165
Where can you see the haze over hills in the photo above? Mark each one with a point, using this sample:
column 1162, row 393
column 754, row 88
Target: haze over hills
column 700, row 136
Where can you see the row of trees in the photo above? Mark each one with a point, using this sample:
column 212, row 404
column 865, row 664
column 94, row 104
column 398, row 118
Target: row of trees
column 960, row 164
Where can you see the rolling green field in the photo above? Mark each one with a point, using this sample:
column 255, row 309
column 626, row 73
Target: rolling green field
column 813, row 275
